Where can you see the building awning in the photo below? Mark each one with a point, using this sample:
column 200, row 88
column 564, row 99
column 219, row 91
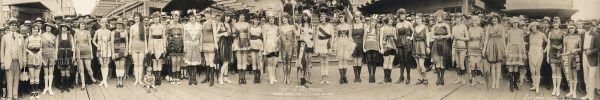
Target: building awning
column 52, row 5
column 541, row 12
column 124, row 7
column 184, row 5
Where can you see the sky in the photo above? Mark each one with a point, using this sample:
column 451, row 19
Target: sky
column 587, row 8
column 84, row 6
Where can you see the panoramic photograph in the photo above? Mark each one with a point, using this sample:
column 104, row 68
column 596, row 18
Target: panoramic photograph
column 299, row 49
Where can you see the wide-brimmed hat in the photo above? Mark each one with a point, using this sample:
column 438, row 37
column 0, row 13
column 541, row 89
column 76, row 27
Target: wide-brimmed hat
column 26, row 22
column 69, row 19
column 50, row 24
column 120, row 20
column 556, row 19
column 175, row 13
column 13, row 21
column 39, row 20
column 461, row 15
column 440, row 13
column 155, row 14
column 514, row 19
column 192, row 12
column 546, row 18
column 401, row 11
column 493, row 14
column 164, row 14
column 533, row 24
column 60, row 26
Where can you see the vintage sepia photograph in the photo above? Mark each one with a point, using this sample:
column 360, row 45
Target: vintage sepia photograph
column 299, row 49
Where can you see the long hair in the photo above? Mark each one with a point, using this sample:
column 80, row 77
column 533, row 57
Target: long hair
column 140, row 23
column 307, row 20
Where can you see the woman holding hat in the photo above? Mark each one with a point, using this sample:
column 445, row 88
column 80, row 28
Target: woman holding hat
column 138, row 46
column 440, row 49
column 570, row 57
column 102, row 40
column 556, row 36
column 49, row 47
column 66, row 48
column 515, row 52
column 83, row 52
column 175, row 46
column 119, row 45
column 494, row 47
column 33, row 44
column 157, row 42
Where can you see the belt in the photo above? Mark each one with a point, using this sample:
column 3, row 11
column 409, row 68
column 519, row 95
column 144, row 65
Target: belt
column 157, row 36
column 419, row 39
column 323, row 37
column 253, row 37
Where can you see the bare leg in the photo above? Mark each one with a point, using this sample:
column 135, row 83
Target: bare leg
column 555, row 90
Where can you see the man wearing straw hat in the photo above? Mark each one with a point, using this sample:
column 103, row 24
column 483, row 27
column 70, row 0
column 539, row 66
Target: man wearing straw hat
column 13, row 57
column 591, row 45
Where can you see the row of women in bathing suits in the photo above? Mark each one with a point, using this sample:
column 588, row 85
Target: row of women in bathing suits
column 215, row 42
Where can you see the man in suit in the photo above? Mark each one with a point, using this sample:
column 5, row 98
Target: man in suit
column 591, row 46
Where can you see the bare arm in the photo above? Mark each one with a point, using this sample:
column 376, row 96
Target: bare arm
column 485, row 39
column 90, row 44
column 76, row 49
column 546, row 41
column 364, row 38
column 130, row 38
column 95, row 38
column 56, row 47
column 112, row 45
column 380, row 41
column 2, row 50
column 449, row 35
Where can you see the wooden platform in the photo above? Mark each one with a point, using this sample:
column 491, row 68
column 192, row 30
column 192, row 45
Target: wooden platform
column 334, row 91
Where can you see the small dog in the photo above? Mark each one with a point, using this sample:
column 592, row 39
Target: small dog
column 149, row 80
